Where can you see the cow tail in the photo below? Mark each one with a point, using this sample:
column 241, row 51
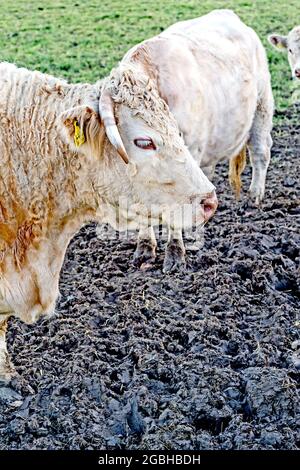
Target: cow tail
column 236, row 167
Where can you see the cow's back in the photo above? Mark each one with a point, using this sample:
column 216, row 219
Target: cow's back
column 224, row 22
column 221, row 32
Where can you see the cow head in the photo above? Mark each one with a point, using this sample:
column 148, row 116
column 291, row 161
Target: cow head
column 291, row 45
column 144, row 159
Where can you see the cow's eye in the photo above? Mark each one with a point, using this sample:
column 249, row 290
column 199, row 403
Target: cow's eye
column 290, row 51
column 145, row 143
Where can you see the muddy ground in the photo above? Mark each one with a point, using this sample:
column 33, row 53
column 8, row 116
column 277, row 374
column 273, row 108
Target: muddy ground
column 208, row 359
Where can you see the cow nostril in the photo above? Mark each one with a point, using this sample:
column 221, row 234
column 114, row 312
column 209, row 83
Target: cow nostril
column 297, row 73
column 210, row 204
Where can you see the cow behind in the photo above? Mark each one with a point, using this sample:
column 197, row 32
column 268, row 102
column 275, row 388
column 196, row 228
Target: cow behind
column 213, row 73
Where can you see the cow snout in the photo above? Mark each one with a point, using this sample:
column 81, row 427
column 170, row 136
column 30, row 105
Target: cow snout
column 210, row 204
column 297, row 73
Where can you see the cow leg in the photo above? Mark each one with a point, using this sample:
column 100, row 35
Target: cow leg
column 175, row 252
column 146, row 247
column 260, row 143
column 6, row 368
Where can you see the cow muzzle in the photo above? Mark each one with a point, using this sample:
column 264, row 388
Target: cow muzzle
column 209, row 205
column 297, row 73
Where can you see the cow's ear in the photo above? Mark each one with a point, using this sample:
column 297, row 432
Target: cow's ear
column 277, row 41
column 82, row 127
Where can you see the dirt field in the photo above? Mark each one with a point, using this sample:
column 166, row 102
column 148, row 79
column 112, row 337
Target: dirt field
column 201, row 360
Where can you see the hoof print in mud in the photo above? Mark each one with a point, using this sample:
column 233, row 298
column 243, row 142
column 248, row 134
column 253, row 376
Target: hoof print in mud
column 9, row 396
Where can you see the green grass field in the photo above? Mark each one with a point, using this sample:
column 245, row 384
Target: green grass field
column 82, row 41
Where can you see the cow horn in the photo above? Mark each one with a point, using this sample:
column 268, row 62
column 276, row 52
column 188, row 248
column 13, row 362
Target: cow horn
column 106, row 111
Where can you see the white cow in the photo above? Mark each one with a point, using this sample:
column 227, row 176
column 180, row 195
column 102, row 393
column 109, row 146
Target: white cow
column 213, row 73
column 60, row 168
column 291, row 45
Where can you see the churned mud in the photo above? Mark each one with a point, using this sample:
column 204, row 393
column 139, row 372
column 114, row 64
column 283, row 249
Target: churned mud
column 207, row 359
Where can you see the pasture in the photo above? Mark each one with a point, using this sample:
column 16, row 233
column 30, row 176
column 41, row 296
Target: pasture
column 82, row 41
column 206, row 359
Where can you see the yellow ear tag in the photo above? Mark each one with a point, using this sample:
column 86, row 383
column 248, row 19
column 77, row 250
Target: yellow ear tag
column 79, row 138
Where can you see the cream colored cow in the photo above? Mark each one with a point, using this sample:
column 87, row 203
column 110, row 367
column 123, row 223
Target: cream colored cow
column 60, row 168
column 213, row 73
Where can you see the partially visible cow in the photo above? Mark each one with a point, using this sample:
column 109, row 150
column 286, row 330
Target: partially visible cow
column 60, row 168
column 213, row 73
column 291, row 45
